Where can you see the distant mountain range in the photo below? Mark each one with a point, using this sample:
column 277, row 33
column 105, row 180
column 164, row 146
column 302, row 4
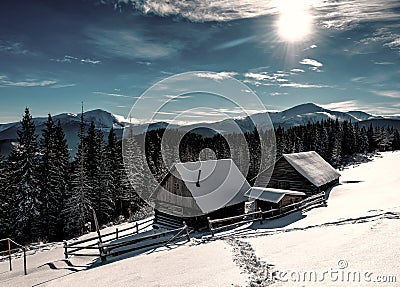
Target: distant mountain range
column 298, row 115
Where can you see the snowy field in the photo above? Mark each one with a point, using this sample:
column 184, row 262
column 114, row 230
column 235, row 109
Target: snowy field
column 354, row 241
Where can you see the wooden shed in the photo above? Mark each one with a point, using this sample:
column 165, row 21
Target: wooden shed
column 306, row 172
column 193, row 191
column 272, row 198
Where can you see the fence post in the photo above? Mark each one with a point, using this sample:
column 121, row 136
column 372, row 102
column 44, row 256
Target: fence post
column 210, row 226
column 9, row 252
column 65, row 249
column 116, row 233
column 261, row 215
column 101, row 251
column 24, row 249
column 186, row 230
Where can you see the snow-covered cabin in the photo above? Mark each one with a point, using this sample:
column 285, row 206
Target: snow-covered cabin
column 193, row 191
column 306, row 172
column 273, row 198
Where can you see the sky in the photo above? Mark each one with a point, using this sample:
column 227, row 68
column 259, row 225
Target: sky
column 343, row 55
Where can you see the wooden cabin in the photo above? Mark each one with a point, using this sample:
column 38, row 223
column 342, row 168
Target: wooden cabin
column 306, row 172
column 272, row 198
column 193, row 191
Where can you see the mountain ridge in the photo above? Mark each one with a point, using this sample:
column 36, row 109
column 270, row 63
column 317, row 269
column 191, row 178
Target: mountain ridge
column 104, row 120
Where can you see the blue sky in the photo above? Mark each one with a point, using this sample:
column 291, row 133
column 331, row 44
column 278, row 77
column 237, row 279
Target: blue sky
column 340, row 54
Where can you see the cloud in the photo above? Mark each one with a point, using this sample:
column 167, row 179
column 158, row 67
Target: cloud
column 234, row 43
column 357, row 79
column 131, row 44
column 113, row 95
column 383, row 63
column 15, row 48
column 386, row 36
column 311, row 62
column 90, row 61
column 4, row 81
column 297, row 70
column 329, row 14
column 178, row 96
column 58, row 86
column 349, row 105
column 304, row 86
column 259, row 76
column 217, row 76
column 274, row 94
column 71, row 59
column 388, row 94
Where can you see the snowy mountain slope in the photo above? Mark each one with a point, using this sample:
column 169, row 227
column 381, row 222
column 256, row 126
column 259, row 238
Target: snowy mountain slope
column 356, row 232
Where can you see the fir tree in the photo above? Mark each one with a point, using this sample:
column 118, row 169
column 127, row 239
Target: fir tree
column 76, row 212
column 5, row 202
column 23, row 162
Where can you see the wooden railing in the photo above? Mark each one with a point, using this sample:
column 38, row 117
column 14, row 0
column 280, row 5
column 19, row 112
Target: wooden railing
column 9, row 252
column 118, row 248
column 224, row 223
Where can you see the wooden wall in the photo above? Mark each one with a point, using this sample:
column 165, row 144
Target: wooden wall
column 286, row 176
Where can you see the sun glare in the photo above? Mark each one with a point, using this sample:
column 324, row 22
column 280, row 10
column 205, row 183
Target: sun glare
column 295, row 20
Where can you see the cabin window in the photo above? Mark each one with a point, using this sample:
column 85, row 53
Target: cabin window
column 176, row 185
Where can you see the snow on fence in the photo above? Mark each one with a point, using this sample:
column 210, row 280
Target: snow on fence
column 9, row 252
column 224, row 223
column 74, row 247
column 118, row 248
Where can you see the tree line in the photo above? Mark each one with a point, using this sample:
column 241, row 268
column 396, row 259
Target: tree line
column 45, row 195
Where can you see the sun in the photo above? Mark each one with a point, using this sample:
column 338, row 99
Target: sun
column 295, row 20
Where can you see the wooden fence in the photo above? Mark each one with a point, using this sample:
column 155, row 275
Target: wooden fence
column 10, row 251
column 99, row 243
column 260, row 215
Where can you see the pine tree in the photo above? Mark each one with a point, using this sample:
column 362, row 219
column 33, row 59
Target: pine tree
column 54, row 172
column 5, row 203
column 396, row 140
column 76, row 212
column 23, row 162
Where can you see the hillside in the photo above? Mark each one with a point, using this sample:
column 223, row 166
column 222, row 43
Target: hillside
column 354, row 233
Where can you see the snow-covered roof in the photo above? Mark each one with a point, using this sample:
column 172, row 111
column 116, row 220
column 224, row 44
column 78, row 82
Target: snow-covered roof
column 313, row 167
column 220, row 183
column 270, row 194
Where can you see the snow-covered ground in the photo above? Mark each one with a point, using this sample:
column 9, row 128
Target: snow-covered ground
column 355, row 238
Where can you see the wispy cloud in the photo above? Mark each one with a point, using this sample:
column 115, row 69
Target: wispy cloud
column 234, row 43
column 259, row 76
column 71, row 59
column 90, row 61
column 330, row 14
column 59, row 86
column 4, row 81
column 216, row 76
column 113, row 95
column 178, row 96
column 383, row 63
column 387, row 94
column 311, row 62
column 350, row 105
column 297, row 71
column 305, row 86
column 16, row 48
column 131, row 44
